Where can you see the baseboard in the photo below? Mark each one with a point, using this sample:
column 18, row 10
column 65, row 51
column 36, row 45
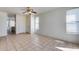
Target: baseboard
column 3, row 36
column 57, row 38
column 23, row 33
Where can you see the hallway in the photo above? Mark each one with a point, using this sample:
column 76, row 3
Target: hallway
column 27, row 42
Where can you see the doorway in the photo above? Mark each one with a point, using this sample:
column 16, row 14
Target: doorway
column 11, row 24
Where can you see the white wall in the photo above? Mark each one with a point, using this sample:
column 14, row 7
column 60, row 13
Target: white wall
column 3, row 24
column 53, row 24
column 20, row 24
column 28, row 23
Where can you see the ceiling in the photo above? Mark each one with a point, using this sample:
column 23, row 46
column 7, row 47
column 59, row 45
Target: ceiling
column 19, row 10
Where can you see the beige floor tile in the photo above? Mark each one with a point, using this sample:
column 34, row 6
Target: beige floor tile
column 33, row 42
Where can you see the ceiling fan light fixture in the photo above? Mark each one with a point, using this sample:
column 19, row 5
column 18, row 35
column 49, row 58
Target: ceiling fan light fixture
column 29, row 11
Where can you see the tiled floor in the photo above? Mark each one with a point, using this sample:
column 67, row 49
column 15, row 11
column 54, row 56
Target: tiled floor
column 27, row 42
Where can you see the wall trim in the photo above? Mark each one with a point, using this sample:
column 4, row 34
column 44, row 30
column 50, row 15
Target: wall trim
column 56, row 38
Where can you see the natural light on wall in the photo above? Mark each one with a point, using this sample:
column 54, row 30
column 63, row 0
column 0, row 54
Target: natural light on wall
column 72, row 21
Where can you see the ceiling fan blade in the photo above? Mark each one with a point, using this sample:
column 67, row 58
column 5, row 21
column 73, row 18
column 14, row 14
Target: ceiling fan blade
column 24, row 12
column 34, row 12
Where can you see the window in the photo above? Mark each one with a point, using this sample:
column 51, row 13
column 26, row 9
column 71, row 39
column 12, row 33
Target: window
column 12, row 23
column 34, row 23
column 37, row 23
column 72, row 21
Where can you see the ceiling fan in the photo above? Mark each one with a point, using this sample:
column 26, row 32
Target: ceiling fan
column 29, row 11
